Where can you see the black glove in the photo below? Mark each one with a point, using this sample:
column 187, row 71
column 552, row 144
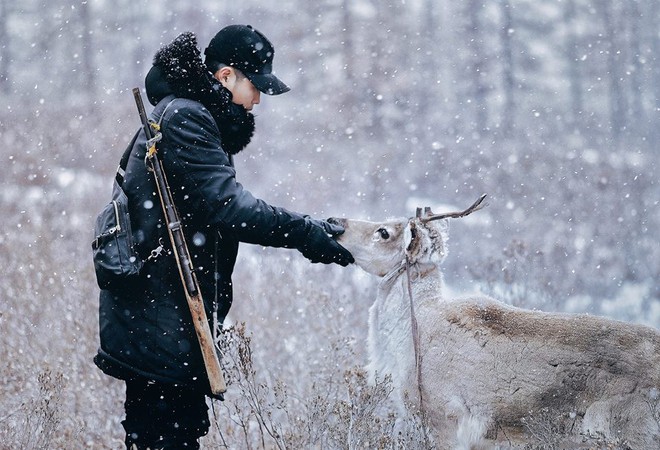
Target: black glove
column 320, row 245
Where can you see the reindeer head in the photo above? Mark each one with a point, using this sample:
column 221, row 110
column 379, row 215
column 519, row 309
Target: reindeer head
column 381, row 247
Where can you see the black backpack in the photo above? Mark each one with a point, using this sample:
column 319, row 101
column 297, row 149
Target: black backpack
column 115, row 260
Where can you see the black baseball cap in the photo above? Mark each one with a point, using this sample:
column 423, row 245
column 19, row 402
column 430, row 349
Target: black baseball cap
column 246, row 49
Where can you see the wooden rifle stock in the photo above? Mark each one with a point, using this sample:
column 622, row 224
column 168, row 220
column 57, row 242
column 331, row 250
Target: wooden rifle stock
column 182, row 255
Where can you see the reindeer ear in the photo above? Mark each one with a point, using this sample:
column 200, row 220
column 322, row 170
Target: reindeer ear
column 412, row 237
column 408, row 236
column 426, row 242
column 443, row 225
column 439, row 240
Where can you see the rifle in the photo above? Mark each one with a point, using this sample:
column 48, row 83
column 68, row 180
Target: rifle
column 182, row 255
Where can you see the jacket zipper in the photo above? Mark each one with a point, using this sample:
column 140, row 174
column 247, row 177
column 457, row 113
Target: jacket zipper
column 117, row 220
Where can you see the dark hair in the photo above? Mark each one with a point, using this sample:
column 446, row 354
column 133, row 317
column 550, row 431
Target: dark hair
column 214, row 66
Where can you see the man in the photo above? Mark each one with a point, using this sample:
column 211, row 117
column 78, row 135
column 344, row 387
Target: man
column 147, row 338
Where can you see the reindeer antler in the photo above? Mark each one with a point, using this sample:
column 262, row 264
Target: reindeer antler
column 429, row 216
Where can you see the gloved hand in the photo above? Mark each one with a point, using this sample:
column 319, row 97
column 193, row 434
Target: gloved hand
column 320, row 245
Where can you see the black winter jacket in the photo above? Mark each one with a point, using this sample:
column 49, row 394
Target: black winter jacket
column 146, row 329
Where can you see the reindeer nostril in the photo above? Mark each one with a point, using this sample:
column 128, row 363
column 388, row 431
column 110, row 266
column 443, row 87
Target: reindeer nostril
column 336, row 221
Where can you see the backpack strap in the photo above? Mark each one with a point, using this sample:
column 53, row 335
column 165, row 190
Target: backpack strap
column 123, row 162
column 121, row 170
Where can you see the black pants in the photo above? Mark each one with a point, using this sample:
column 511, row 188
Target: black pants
column 163, row 416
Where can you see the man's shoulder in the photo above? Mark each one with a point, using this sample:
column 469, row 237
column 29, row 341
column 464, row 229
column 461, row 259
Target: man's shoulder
column 181, row 109
column 185, row 105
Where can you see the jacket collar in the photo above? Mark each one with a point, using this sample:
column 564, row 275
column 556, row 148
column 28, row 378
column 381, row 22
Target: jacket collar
column 178, row 69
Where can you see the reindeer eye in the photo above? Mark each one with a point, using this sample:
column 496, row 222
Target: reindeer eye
column 383, row 233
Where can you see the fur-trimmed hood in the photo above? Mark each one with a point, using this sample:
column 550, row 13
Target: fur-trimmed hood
column 178, row 69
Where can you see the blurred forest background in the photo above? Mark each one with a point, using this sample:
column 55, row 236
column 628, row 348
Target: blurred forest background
column 549, row 106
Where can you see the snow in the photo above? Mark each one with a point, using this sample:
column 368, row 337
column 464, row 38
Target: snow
column 383, row 117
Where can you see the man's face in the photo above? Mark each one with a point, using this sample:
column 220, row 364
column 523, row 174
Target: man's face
column 245, row 94
column 243, row 91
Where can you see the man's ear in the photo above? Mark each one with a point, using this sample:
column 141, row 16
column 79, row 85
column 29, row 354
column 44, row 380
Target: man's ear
column 225, row 75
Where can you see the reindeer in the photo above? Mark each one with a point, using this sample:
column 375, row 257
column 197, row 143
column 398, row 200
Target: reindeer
column 485, row 374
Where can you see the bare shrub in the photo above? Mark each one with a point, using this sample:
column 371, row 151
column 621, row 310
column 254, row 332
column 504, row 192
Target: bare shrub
column 344, row 412
column 356, row 422
column 544, row 427
column 35, row 424
column 254, row 412
column 549, row 431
